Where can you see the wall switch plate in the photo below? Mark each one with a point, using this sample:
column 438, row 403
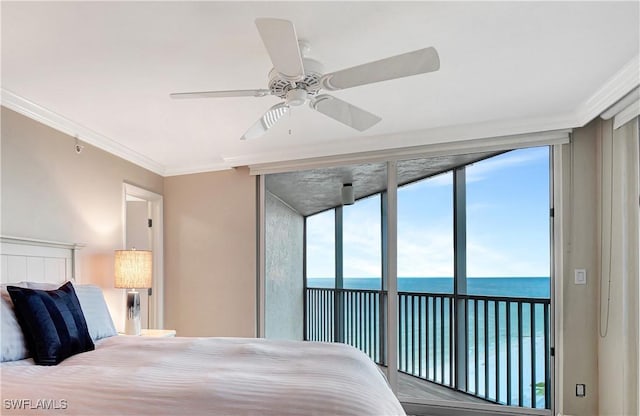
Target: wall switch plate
column 580, row 276
column 581, row 390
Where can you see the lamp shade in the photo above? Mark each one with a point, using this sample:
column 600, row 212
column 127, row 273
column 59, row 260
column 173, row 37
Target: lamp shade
column 133, row 269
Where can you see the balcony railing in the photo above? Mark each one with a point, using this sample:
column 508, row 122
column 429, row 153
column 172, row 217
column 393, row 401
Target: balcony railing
column 361, row 326
column 502, row 355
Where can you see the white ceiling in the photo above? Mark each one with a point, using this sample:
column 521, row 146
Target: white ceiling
column 104, row 71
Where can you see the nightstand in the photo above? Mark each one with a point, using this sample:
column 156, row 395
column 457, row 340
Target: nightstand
column 160, row 333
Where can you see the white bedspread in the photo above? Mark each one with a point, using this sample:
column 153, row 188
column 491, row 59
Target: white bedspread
column 201, row 376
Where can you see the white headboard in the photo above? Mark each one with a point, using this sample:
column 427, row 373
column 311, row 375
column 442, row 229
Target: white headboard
column 26, row 259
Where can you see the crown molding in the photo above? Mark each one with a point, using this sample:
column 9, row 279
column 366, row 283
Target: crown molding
column 210, row 167
column 624, row 81
column 460, row 137
column 61, row 123
column 489, row 144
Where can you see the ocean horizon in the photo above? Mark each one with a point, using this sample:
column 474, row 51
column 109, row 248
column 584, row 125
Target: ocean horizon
column 528, row 287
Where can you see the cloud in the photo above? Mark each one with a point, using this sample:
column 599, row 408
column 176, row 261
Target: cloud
column 481, row 170
column 425, row 252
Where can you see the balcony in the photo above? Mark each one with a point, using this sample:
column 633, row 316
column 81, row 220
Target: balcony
column 496, row 349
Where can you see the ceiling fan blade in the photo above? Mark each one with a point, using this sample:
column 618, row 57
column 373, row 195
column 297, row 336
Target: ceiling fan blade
column 280, row 40
column 267, row 121
column 344, row 112
column 221, row 94
column 399, row 66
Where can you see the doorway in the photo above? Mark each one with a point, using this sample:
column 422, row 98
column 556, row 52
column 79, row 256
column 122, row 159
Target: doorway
column 143, row 220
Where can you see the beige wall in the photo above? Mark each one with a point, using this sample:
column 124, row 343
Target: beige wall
column 50, row 192
column 579, row 303
column 618, row 318
column 210, row 253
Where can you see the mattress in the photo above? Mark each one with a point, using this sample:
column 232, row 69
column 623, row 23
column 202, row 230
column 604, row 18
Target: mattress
column 201, row 376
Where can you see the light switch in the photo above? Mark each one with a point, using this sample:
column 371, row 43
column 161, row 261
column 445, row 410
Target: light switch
column 581, row 390
column 580, row 276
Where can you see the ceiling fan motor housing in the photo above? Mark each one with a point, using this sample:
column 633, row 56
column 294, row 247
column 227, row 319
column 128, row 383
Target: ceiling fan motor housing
column 281, row 86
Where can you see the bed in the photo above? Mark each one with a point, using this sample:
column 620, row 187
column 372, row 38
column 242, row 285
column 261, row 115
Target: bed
column 174, row 376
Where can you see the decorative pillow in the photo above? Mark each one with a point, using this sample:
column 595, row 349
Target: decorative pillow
column 13, row 343
column 52, row 322
column 95, row 311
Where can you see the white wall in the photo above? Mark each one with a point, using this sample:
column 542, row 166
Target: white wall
column 50, row 192
column 284, row 284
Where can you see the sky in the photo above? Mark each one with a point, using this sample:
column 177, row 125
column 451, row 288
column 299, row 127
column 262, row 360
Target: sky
column 507, row 224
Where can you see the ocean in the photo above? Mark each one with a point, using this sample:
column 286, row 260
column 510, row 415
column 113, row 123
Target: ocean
column 527, row 287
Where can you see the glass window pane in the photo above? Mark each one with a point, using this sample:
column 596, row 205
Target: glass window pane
column 321, row 249
column 425, row 235
column 508, row 224
column 362, row 258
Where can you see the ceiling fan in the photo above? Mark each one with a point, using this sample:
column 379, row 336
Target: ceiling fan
column 297, row 79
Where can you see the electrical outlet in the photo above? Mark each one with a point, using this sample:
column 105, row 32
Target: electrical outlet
column 581, row 390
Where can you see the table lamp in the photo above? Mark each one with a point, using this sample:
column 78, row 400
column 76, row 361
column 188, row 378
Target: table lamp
column 133, row 271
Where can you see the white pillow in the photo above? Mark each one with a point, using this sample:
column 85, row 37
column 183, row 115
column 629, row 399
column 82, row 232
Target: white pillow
column 95, row 311
column 13, row 343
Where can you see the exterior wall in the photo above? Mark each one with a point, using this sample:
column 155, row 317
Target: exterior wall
column 284, row 270
column 210, row 236
column 50, row 192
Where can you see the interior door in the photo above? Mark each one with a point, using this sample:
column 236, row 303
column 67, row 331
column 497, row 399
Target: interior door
column 138, row 236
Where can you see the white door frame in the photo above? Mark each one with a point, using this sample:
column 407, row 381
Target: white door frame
column 156, row 307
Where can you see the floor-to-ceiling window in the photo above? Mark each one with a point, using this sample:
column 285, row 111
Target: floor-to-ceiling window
column 425, row 277
column 508, row 255
column 473, row 266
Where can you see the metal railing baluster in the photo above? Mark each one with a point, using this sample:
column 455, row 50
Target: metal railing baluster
column 413, row 336
column 496, row 327
column 476, row 374
column 406, row 333
column 451, row 341
column 420, row 297
column 547, row 352
column 520, row 357
column 532, row 332
column 442, row 340
column 485, row 323
column 509, row 358
column 434, row 340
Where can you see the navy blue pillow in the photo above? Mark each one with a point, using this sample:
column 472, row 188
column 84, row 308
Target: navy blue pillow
column 52, row 322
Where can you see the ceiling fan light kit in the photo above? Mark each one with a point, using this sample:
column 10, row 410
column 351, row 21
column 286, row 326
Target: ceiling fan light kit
column 297, row 79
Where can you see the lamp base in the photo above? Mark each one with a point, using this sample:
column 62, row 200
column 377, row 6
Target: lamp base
column 132, row 323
